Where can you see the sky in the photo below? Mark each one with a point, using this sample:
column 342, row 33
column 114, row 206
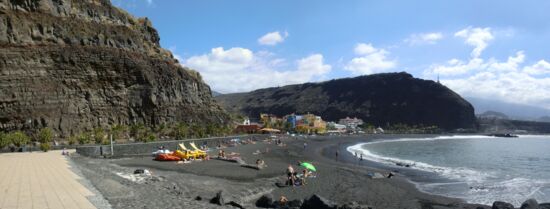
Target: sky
column 493, row 49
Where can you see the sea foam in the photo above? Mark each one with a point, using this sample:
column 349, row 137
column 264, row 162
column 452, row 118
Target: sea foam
column 478, row 187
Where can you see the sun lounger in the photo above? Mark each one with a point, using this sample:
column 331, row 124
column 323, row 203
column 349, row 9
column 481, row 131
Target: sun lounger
column 184, row 154
column 200, row 153
column 195, row 147
column 182, row 147
column 191, row 153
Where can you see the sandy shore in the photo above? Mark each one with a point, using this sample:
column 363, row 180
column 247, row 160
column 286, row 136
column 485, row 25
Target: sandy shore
column 341, row 180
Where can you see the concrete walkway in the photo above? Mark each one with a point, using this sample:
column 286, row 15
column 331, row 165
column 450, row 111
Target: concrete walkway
column 40, row 180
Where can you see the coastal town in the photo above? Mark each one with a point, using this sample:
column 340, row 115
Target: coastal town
column 302, row 124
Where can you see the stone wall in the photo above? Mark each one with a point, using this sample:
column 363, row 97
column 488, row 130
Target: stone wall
column 144, row 149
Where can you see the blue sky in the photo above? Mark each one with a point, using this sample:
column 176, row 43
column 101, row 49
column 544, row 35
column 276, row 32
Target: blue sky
column 490, row 49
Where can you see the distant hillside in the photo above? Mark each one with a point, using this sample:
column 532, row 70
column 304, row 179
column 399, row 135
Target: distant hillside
column 215, row 93
column 544, row 119
column 493, row 114
column 381, row 99
column 494, row 125
column 514, row 111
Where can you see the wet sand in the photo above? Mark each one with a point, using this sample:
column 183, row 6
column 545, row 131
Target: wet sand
column 341, row 180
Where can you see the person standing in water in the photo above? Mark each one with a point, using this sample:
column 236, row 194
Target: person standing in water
column 336, row 155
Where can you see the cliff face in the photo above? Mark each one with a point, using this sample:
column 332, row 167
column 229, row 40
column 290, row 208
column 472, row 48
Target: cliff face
column 77, row 64
column 382, row 99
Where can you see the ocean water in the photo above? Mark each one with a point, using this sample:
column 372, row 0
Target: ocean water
column 478, row 169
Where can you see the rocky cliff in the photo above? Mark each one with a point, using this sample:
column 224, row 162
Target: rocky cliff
column 77, row 64
column 382, row 100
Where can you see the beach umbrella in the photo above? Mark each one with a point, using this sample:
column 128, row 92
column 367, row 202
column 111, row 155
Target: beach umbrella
column 308, row 166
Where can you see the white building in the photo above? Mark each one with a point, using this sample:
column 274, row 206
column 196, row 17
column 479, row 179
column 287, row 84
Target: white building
column 333, row 127
column 351, row 123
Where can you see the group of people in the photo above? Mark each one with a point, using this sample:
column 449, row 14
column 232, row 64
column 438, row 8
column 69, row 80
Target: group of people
column 294, row 179
column 221, row 154
column 360, row 157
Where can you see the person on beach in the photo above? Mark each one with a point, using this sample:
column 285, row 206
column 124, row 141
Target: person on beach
column 283, row 200
column 305, row 145
column 290, row 175
column 361, row 158
column 260, row 163
column 305, row 174
column 336, row 155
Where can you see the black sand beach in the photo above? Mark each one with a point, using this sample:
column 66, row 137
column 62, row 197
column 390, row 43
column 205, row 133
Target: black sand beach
column 341, row 180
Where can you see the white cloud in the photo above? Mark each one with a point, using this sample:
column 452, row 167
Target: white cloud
column 371, row 60
column 511, row 80
column 510, row 65
column 364, row 49
column 455, row 67
column 542, row 67
column 272, row 38
column 477, row 37
column 150, row 2
column 311, row 66
column 240, row 69
column 424, row 38
column 513, row 87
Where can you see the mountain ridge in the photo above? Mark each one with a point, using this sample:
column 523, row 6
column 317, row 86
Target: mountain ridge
column 512, row 110
column 380, row 99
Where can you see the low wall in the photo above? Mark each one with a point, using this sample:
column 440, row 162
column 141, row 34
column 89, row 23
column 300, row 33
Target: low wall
column 141, row 149
column 36, row 148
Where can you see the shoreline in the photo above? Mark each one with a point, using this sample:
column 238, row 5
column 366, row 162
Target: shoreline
column 426, row 177
column 341, row 182
column 410, row 175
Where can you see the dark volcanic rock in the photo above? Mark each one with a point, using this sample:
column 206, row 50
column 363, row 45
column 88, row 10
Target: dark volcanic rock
column 502, row 205
column 530, row 204
column 353, row 205
column 317, row 202
column 265, row 201
column 218, row 199
column 381, row 99
column 235, row 204
column 73, row 65
column 295, row 203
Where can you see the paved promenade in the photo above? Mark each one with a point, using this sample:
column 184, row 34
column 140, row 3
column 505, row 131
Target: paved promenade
column 40, row 180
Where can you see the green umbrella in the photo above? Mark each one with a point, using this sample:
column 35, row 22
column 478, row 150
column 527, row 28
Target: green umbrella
column 308, row 166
